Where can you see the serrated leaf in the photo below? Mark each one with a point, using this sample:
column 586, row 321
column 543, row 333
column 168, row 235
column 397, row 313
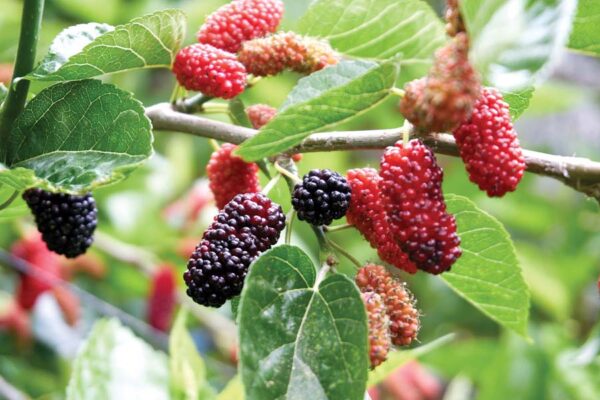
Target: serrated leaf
column 188, row 372
column 301, row 334
column 379, row 29
column 80, row 135
column 17, row 178
column 488, row 274
column 321, row 101
column 585, row 36
column 514, row 41
column 115, row 364
column 518, row 101
column 68, row 43
column 398, row 358
column 146, row 42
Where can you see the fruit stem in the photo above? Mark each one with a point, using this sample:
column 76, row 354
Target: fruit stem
column 175, row 93
column 406, row 128
column 214, row 144
column 274, row 181
column 10, row 200
column 31, row 20
column 295, row 179
column 343, row 252
column 215, row 108
column 331, row 229
column 397, row 92
column 290, row 223
column 193, row 104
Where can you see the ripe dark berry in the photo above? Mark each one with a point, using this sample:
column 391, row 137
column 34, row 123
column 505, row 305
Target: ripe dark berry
column 399, row 302
column 260, row 114
column 379, row 328
column 322, row 196
column 274, row 54
column 67, row 222
column 411, row 189
column 229, row 175
column 440, row 101
column 247, row 226
column 241, row 20
column 214, row 72
column 489, row 145
column 367, row 214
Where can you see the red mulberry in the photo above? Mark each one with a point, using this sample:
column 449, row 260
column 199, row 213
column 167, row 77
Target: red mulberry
column 241, row 20
column 260, row 115
column 489, row 146
column 229, row 175
column 379, row 328
column 411, row 188
column 274, row 54
column 368, row 215
column 440, row 101
column 399, row 302
column 162, row 298
column 214, row 72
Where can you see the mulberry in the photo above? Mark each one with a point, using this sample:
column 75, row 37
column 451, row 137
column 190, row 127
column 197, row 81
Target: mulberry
column 214, row 72
column 162, row 298
column 379, row 328
column 454, row 20
column 399, row 302
column 247, row 226
column 229, row 175
column 411, row 189
column 241, row 20
column 67, row 222
column 489, row 146
column 367, row 214
column 260, row 115
column 274, row 54
column 440, row 101
column 322, row 196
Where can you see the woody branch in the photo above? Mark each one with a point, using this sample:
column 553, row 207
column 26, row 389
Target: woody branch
column 579, row 173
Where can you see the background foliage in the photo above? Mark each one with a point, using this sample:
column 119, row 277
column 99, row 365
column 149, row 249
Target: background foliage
column 555, row 230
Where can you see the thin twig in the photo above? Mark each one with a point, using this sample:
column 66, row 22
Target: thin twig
column 581, row 174
column 338, row 228
column 9, row 201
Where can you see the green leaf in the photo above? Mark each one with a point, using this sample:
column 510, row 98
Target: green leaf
column 80, row 135
column 11, row 204
column 237, row 112
column 585, row 36
column 89, row 50
column 233, row 391
column 301, row 334
column 321, row 101
column 115, row 364
column 18, row 178
column 514, row 41
column 3, row 93
column 488, row 274
column 379, row 29
column 398, row 358
column 188, row 372
column 518, row 101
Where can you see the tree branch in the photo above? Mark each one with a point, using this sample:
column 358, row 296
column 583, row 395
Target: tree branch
column 581, row 174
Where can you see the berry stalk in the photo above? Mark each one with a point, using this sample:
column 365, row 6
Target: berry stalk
column 14, row 104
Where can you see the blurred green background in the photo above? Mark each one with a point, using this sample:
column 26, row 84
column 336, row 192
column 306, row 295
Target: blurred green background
column 556, row 230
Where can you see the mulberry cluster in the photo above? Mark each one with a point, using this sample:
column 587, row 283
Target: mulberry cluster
column 239, row 21
column 247, row 226
column 489, row 145
column 367, row 214
column 399, row 302
column 229, row 175
column 214, row 72
column 67, row 222
column 454, row 21
column 443, row 99
column 260, row 114
column 379, row 328
column 274, row 54
column 411, row 188
column 323, row 196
